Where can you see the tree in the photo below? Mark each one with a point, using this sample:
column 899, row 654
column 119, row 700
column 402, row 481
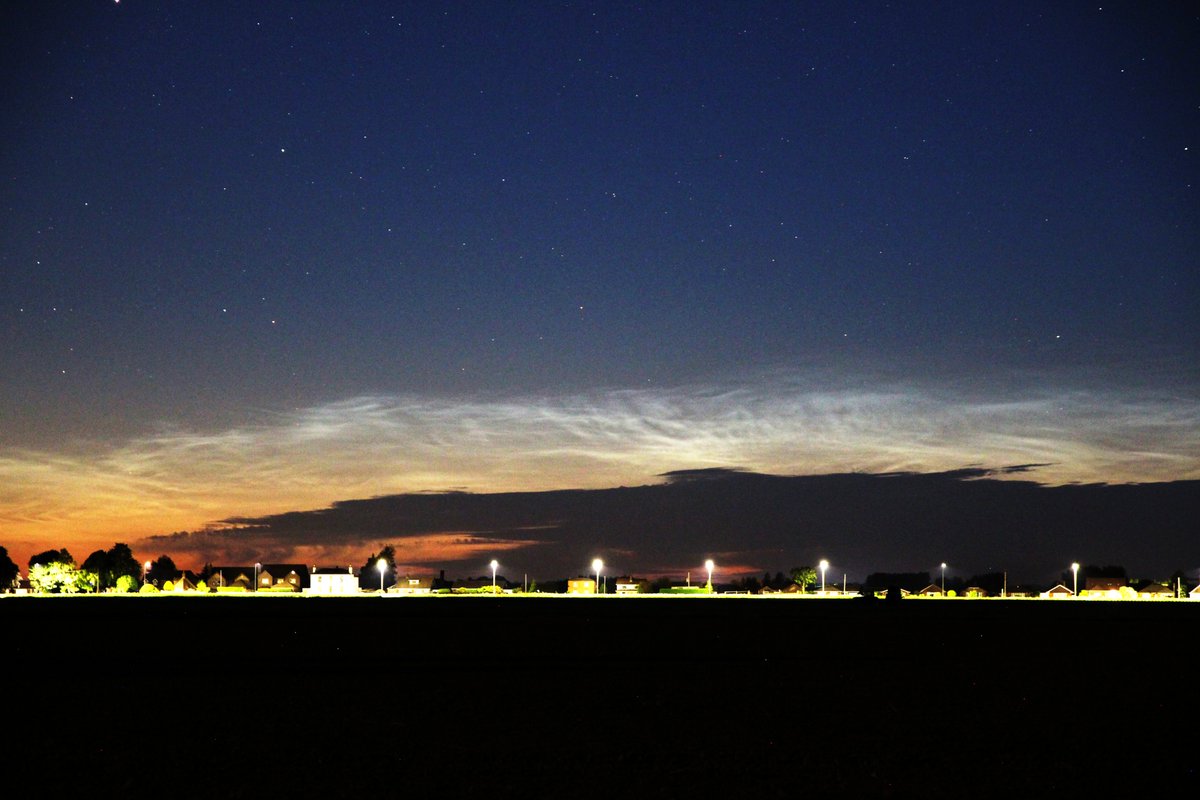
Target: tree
column 97, row 562
column 748, row 584
column 126, row 584
column 9, row 572
column 162, row 570
column 82, row 582
column 52, row 557
column 659, row 584
column 804, row 577
column 111, row 564
column 388, row 554
column 120, row 562
column 61, row 578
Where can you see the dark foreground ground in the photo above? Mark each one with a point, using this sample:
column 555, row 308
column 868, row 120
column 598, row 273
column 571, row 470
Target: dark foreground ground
column 655, row 697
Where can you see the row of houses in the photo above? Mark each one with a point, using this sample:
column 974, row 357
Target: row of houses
column 315, row 580
column 300, row 578
column 1093, row 589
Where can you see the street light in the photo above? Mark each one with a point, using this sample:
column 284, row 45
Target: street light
column 708, row 565
column 257, row 569
column 1074, row 578
column 824, row 565
column 381, row 565
column 943, row 579
column 145, row 569
column 597, row 565
column 493, row 565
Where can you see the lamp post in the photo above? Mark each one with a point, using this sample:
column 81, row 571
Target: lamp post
column 943, row 579
column 597, row 565
column 1074, row 578
column 381, row 565
column 145, row 569
column 824, row 565
column 257, row 569
column 493, row 565
column 708, row 565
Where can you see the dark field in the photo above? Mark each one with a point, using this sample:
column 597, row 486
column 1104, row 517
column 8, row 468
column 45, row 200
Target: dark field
column 655, row 697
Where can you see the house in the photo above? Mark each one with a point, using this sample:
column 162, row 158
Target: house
column 1155, row 591
column 1057, row 592
column 1102, row 588
column 1095, row 584
column 408, row 586
column 1194, row 594
column 183, row 583
column 975, row 591
column 232, row 579
column 282, row 578
column 581, row 586
column 332, row 580
column 932, row 590
column 628, row 586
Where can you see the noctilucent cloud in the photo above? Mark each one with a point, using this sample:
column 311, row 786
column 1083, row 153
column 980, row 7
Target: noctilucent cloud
column 267, row 257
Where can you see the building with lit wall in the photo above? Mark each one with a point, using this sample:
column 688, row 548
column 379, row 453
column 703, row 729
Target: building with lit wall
column 332, row 580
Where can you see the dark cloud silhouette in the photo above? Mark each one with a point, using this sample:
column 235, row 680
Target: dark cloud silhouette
column 860, row 522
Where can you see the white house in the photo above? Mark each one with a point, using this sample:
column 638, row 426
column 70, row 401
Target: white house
column 332, row 580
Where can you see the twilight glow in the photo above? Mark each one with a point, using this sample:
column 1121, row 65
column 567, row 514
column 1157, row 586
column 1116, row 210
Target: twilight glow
column 361, row 447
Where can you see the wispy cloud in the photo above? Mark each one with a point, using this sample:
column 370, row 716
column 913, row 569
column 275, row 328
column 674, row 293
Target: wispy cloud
column 178, row 478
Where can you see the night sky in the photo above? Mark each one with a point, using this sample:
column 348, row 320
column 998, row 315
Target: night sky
column 262, row 257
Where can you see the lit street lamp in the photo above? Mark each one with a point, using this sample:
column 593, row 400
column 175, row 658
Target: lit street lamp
column 824, row 565
column 381, row 565
column 493, row 565
column 1075, row 579
column 708, row 565
column 145, row 569
column 597, row 565
column 943, row 579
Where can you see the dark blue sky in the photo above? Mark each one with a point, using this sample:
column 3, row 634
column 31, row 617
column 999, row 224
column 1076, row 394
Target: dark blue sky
column 219, row 214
